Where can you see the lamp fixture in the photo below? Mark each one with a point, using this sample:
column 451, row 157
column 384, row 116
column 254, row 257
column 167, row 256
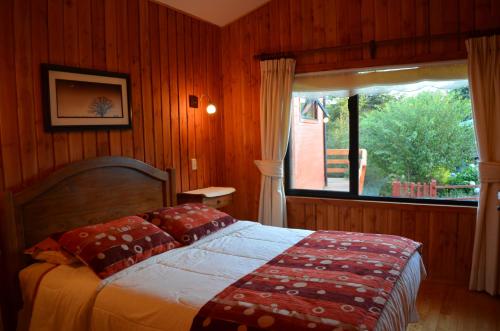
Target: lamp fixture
column 193, row 103
column 211, row 109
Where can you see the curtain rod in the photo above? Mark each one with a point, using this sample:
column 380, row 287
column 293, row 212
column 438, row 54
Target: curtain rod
column 374, row 44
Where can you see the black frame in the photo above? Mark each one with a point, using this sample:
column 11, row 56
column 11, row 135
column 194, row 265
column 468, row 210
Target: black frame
column 353, row 193
column 45, row 68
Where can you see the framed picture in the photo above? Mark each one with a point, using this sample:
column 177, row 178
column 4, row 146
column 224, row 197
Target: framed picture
column 78, row 98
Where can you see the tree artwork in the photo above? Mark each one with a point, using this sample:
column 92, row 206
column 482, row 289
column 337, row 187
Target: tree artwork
column 100, row 106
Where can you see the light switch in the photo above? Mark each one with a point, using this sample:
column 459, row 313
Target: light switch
column 194, row 165
column 193, row 101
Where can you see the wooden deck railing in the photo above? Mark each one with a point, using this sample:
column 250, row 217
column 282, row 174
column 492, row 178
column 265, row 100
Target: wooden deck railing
column 427, row 190
column 337, row 162
column 414, row 190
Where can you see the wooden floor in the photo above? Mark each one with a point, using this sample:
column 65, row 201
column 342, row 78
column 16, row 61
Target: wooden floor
column 448, row 307
column 338, row 184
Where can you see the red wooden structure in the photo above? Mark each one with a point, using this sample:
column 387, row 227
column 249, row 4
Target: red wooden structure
column 426, row 190
column 412, row 190
column 337, row 162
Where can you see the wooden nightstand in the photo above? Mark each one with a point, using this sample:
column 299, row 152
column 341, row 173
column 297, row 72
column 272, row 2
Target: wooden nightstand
column 216, row 197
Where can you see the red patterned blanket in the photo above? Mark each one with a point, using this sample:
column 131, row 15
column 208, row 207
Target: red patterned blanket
column 330, row 280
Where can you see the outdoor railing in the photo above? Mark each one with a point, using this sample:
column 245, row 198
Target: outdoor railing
column 337, row 162
column 427, row 190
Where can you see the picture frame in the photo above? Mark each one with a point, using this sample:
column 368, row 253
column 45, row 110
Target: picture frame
column 85, row 99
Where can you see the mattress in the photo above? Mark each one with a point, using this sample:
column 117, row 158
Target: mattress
column 166, row 291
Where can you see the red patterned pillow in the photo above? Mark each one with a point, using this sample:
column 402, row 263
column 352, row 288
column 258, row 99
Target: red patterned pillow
column 110, row 247
column 189, row 222
column 49, row 250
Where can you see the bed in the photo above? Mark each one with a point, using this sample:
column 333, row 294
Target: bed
column 165, row 292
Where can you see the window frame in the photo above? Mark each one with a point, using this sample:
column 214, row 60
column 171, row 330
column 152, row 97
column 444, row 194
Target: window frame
column 303, row 120
column 353, row 194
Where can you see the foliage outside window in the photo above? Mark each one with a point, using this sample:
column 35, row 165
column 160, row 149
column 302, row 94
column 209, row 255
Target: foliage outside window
column 419, row 141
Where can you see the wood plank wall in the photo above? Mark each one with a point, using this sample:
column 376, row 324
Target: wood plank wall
column 168, row 55
column 447, row 232
column 284, row 25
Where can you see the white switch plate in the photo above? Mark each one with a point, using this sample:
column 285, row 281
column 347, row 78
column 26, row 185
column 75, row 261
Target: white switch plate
column 194, row 165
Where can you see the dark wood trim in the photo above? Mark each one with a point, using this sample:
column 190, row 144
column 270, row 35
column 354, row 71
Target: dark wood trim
column 353, row 104
column 353, row 64
column 275, row 56
column 373, row 45
column 11, row 259
column 76, row 168
column 85, row 192
column 349, row 196
column 383, row 204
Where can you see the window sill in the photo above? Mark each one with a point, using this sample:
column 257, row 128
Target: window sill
column 347, row 197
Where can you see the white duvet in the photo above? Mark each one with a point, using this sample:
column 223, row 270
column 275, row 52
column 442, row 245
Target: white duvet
column 166, row 291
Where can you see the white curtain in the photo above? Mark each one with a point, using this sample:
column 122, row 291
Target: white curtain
column 275, row 116
column 484, row 77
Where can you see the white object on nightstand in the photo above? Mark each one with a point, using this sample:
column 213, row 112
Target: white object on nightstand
column 212, row 191
column 213, row 196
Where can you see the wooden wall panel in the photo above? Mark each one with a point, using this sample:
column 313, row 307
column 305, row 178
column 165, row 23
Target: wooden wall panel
column 9, row 136
column 123, row 55
column 291, row 25
column 71, row 58
column 24, row 84
column 111, row 28
column 85, row 55
column 99, row 62
column 280, row 25
column 446, row 232
column 167, row 55
column 170, row 55
column 39, row 51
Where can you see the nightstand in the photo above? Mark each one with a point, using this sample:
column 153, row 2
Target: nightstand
column 216, row 197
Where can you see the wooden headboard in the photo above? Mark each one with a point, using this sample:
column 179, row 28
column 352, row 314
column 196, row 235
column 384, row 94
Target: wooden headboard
column 82, row 193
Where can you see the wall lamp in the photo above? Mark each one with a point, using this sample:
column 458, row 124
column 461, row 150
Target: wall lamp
column 193, row 103
column 326, row 118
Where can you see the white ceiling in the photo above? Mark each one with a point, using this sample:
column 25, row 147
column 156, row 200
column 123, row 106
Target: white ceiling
column 218, row 12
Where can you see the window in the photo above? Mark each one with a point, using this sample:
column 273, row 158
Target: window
column 404, row 138
column 309, row 110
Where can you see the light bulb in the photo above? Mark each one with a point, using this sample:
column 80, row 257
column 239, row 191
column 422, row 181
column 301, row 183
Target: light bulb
column 326, row 119
column 211, row 109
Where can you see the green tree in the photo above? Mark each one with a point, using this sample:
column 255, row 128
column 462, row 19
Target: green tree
column 338, row 128
column 368, row 103
column 461, row 92
column 419, row 138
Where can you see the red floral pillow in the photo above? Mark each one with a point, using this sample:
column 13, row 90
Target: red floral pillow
column 49, row 250
column 189, row 222
column 110, row 247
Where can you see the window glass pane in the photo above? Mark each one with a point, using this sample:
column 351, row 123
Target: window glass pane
column 419, row 140
column 337, row 144
column 319, row 148
column 308, row 109
column 416, row 133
